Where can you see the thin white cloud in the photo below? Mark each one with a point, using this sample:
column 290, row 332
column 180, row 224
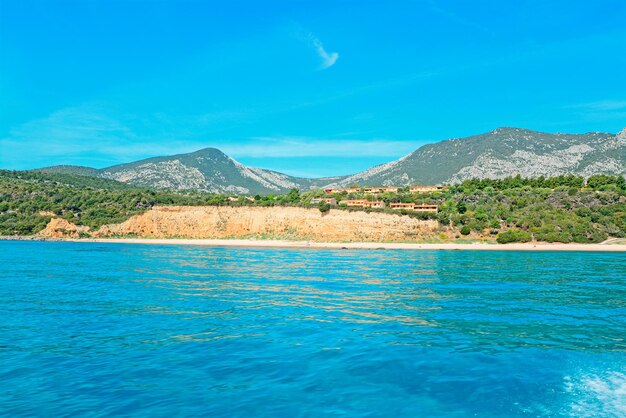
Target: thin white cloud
column 300, row 146
column 598, row 106
column 88, row 135
column 597, row 111
column 328, row 59
column 82, row 135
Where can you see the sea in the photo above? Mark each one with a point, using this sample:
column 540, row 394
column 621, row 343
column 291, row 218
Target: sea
column 107, row 329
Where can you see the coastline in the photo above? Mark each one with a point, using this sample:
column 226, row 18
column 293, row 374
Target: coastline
column 260, row 243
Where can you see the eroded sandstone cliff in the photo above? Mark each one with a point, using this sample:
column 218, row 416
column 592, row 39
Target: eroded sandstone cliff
column 296, row 223
column 61, row 228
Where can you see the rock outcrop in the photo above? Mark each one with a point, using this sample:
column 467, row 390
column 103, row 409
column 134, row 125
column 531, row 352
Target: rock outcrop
column 496, row 154
column 61, row 228
column 271, row 222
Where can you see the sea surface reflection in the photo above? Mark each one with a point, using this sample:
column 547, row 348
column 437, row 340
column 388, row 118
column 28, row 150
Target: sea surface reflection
column 103, row 329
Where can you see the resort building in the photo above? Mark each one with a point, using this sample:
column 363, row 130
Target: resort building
column 366, row 190
column 362, row 203
column 330, row 200
column 237, row 199
column 414, row 207
column 374, row 190
column 425, row 189
column 407, row 206
column 426, row 208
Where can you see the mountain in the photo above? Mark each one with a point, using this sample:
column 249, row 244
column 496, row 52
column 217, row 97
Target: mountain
column 500, row 153
column 207, row 170
column 70, row 169
column 66, row 177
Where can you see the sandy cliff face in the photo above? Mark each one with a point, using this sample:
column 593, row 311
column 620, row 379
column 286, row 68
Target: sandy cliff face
column 61, row 228
column 299, row 223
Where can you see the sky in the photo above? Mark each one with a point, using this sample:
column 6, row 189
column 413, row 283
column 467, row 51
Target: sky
column 309, row 88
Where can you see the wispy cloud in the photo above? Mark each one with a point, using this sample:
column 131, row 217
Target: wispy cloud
column 597, row 111
column 328, row 59
column 598, row 106
column 301, row 146
column 308, row 37
column 83, row 135
column 89, row 135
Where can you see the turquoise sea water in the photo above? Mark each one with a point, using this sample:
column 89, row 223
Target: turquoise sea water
column 145, row 330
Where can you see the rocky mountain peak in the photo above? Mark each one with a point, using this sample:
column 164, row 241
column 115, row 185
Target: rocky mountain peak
column 621, row 136
column 503, row 152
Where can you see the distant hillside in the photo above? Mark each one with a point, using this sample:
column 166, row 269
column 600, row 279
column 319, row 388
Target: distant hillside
column 66, row 179
column 560, row 209
column 207, row 170
column 501, row 153
column 496, row 154
column 69, row 169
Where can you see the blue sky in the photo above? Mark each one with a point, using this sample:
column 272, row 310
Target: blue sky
column 310, row 88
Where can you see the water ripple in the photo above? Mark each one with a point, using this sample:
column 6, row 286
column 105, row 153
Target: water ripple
column 97, row 329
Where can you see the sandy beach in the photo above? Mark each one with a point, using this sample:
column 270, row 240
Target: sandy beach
column 362, row 245
column 612, row 245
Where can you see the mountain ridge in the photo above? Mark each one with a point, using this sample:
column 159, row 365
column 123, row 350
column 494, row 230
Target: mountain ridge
column 502, row 152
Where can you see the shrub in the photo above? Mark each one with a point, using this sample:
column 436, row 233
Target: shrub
column 553, row 236
column 466, row 230
column 324, row 207
column 514, row 236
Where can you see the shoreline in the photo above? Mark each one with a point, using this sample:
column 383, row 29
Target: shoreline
column 259, row 243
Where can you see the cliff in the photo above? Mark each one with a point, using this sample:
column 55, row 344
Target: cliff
column 296, row 223
column 61, row 228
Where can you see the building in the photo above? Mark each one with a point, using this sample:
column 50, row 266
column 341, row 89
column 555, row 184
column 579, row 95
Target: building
column 238, row 199
column 362, row 203
column 330, row 200
column 425, row 189
column 366, row 190
column 407, row 206
column 414, row 207
column 426, row 208
column 374, row 190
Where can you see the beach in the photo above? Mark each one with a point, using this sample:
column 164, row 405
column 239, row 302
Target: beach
column 259, row 243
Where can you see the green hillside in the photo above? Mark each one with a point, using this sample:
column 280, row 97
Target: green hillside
column 69, row 169
column 501, row 153
column 559, row 209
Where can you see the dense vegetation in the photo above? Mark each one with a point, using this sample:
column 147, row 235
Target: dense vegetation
column 515, row 209
column 557, row 209
column 28, row 200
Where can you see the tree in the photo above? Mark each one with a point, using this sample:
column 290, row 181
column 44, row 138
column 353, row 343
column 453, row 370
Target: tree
column 514, row 236
column 293, row 196
column 324, row 206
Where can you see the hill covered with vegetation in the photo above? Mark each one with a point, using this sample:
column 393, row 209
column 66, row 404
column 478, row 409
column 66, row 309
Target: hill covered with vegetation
column 496, row 154
column 501, row 153
column 514, row 209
